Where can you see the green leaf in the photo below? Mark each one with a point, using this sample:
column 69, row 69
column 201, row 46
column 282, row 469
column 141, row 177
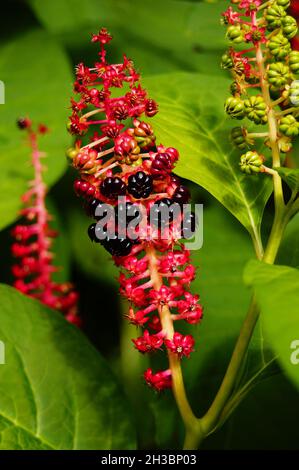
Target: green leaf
column 276, row 288
column 192, row 119
column 192, row 40
column 290, row 176
column 36, row 74
column 56, row 391
column 220, row 264
column 289, row 249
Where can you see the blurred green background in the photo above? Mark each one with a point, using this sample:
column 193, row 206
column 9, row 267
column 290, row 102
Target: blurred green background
column 41, row 42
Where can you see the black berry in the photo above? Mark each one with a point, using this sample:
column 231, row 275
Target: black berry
column 97, row 233
column 163, row 212
column 181, row 195
column 117, row 246
column 23, row 123
column 140, row 185
column 112, row 187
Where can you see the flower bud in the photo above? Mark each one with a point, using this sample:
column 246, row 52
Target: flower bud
column 235, row 34
column 279, row 46
column 278, row 75
column 227, row 61
column 274, row 16
column 256, row 109
column 289, row 126
column 289, row 27
column 251, row 162
column 234, row 107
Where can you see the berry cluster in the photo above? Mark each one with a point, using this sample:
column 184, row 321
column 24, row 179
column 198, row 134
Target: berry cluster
column 264, row 71
column 124, row 175
column 33, row 240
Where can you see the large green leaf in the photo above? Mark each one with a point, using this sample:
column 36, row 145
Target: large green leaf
column 289, row 250
column 277, row 288
column 192, row 39
column 192, row 119
column 56, row 391
column 37, row 78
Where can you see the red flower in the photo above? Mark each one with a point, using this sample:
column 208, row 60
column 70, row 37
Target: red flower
column 158, row 381
column 180, row 344
column 149, row 343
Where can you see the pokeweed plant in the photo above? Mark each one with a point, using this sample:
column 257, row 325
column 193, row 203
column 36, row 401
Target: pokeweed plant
column 33, row 237
column 120, row 165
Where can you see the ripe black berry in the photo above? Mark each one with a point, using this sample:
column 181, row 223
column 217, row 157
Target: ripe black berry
column 163, row 212
column 140, row 185
column 97, row 232
column 112, row 187
column 117, row 246
column 189, row 225
column 181, row 195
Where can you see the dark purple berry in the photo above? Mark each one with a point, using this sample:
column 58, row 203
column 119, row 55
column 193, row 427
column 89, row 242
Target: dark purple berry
column 161, row 164
column 140, row 185
column 23, row 123
column 181, row 195
column 112, row 187
column 163, row 212
column 97, row 233
column 117, row 246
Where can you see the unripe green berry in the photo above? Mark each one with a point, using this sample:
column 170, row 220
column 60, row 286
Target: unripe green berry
column 235, row 34
column 289, row 27
column 256, row 109
column 294, row 93
column 251, row 162
column 289, row 126
column 294, row 61
column 283, row 3
column 226, row 61
column 274, row 16
column 234, row 107
column 279, row 46
column 278, row 75
column 238, row 136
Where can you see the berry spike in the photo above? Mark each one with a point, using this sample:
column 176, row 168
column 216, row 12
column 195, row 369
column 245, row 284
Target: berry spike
column 124, row 175
column 33, row 240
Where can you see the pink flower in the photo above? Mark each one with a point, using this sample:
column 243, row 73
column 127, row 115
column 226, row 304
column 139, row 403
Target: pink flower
column 180, row 344
column 149, row 343
column 256, row 35
column 158, row 381
column 231, row 16
column 249, row 6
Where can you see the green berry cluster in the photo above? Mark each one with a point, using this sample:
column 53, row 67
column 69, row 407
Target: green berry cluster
column 264, row 69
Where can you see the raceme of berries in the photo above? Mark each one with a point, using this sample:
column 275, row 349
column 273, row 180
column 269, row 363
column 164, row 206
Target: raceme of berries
column 120, row 164
column 33, row 237
column 264, row 69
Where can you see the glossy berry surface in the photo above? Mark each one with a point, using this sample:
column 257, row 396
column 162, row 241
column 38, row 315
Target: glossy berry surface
column 181, row 195
column 163, row 212
column 112, row 187
column 117, row 246
column 140, row 185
